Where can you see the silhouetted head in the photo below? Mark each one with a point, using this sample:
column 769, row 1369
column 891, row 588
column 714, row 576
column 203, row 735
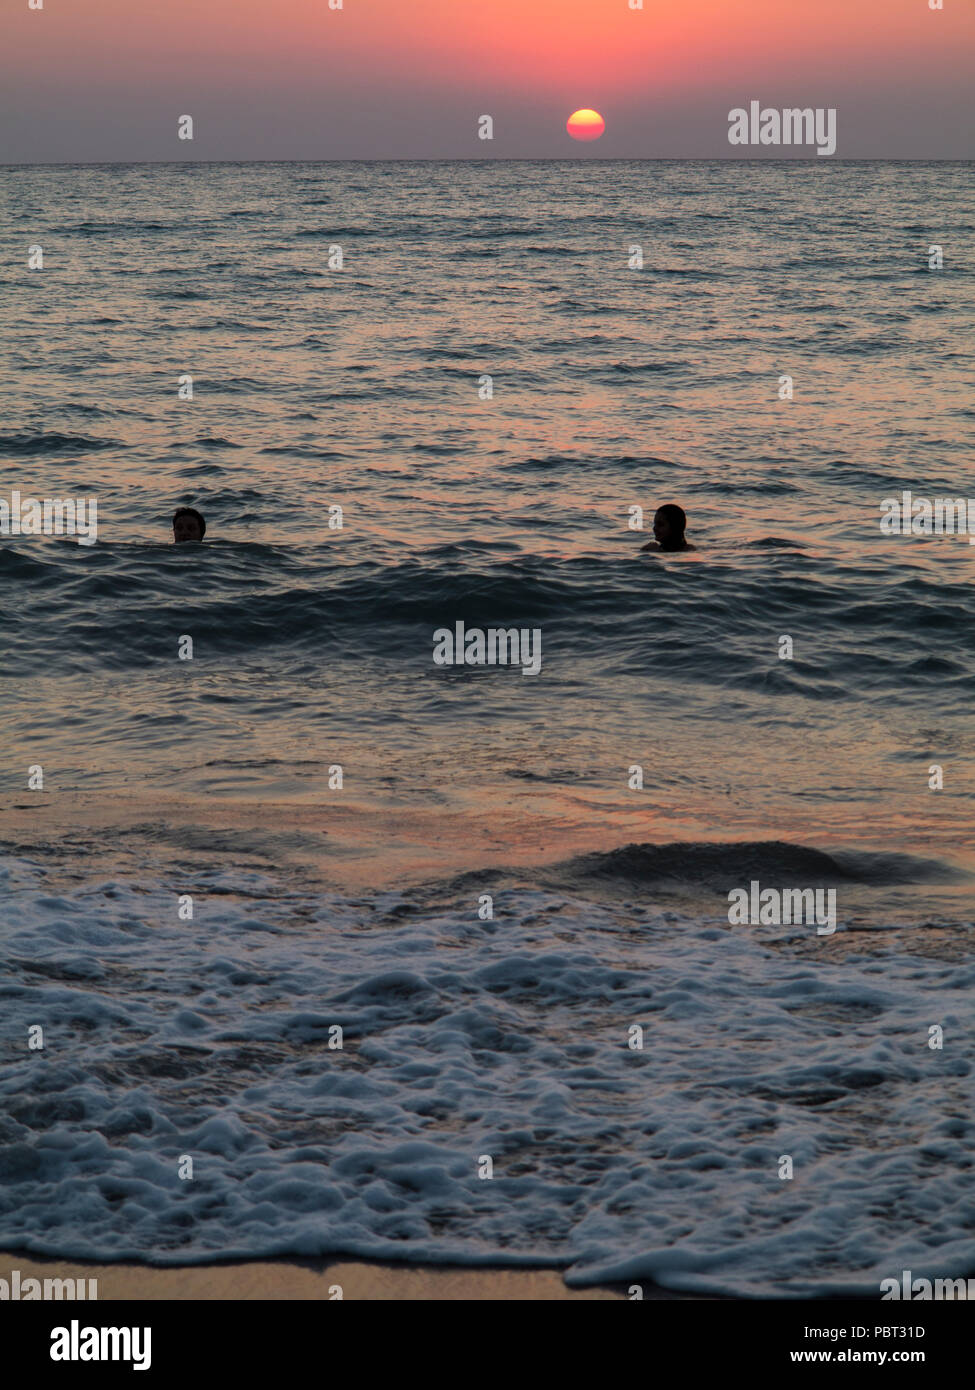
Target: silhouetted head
column 188, row 525
column 668, row 527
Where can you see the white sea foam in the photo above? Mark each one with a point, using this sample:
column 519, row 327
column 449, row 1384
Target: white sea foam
column 462, row 1038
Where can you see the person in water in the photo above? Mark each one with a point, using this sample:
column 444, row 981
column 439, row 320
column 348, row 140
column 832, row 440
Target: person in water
column 188, row 525
column 669, row 524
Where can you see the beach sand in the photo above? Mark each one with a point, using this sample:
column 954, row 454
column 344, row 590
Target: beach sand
column 301, row 1280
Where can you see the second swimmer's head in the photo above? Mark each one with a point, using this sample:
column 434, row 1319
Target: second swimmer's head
column 669, row 524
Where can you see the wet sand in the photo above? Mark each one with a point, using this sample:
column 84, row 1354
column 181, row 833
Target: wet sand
column 303, row 1280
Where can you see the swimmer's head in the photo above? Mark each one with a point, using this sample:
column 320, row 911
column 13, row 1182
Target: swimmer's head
column 188, row 525
column 669, row 523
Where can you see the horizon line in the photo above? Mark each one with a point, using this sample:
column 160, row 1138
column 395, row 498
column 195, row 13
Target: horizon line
column 817, row 162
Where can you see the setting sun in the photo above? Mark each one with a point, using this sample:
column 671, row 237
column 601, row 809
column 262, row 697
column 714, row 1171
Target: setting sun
column 585, row 125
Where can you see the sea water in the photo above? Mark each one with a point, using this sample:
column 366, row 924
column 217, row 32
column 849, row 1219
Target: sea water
column 511, row 504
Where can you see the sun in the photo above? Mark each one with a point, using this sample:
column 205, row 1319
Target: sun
column 585, row 124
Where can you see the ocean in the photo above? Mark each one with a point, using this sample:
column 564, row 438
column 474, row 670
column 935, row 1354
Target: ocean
column 495, row 884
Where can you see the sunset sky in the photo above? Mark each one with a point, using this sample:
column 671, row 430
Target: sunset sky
column 93, row 80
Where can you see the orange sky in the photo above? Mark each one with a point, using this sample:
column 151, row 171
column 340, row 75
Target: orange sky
column 86, row 60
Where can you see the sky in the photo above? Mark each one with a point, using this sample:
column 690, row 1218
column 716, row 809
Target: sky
column 103, row 80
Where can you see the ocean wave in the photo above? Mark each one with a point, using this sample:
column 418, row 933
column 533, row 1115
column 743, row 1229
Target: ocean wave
column 714, row 621
column 716, row 865
column 39, row 444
